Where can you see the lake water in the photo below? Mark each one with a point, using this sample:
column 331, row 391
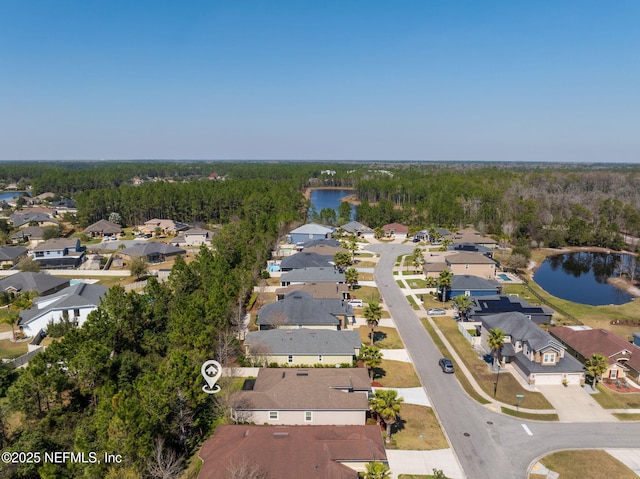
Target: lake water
column 321, row 199
column 582, row 277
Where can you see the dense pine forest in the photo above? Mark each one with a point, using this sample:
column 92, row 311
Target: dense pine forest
column 129, row 381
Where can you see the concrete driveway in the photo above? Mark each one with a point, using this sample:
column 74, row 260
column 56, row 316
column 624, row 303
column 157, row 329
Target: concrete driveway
column 424, row 462
column 574, row 404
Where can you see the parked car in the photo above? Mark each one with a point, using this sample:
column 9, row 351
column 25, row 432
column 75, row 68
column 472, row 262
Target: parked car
column 356, row 303
column 446, row 365
column 436, row 312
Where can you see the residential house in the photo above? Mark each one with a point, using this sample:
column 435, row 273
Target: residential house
column 431, row 235
column 317, row 290
column 393, row 229
column 193, row 237
column 312, row 275
column 30, row 233
column 470, row 248
column 300, row 310
column 292, row 452
column 59, row 253
column 468, row 285
column 433, row 270
column 306, row 260
column 487, row 305
column 154, row 252
column 164, row 226
column 473, row 236
column 357, row 228
column 308, row 232
column 74, row 302
column 583, row 342
column 310, row 396
column 302, row 347
column 325, row 250
column 534, row 354
column 41, row 283
column 474, row 264
column 103, row 228
column 48, row 196
column 11, row 256
column 24, row 219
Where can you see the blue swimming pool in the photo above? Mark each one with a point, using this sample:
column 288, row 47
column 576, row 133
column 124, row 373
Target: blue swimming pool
column 504, row 277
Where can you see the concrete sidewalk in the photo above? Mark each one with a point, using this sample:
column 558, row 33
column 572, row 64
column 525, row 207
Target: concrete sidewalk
column 424, row 462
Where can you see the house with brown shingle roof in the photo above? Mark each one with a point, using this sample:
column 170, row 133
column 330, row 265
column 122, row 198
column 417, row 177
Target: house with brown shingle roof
column 395, row 229
column 317, row 290
column 291, row 452
column 309, row 396
column 103, row 228
column 474, row 237
column 583, row 342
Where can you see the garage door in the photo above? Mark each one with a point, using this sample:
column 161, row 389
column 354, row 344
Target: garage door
column 574, row 379
column 548, row 379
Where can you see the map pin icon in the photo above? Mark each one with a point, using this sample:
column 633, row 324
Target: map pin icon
column 211, row 372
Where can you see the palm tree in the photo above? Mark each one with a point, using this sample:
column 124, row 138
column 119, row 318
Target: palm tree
column 377, row 470
column 596, row 366
column 378, row 232
column 351, row 277
column 417, row 258
column 386, row 404
column 495, row 342
column 463, row 303
column 444, row 283
column 372, row 314
column 371, row 357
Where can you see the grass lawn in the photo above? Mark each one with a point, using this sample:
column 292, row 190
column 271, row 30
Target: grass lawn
column 416, row 283
column 594, row 464
column 386, row 338
column 413, row 303
column 464, row 382
column 524, row 415
column 396, row 374
column 508, row 386
column 627, row 417
column 368, row 294
column 365, row 276
column 609, row 399
column 366, row 264
column 417, row 430
column 10, row 350
column 400, row 283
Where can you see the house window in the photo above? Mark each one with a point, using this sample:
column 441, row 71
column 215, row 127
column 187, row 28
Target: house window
column 76, row 313
column 290, row 359
column 319, row 358
column 308, row 416
column 273, row 415
column 549, row 358
column 467, row 293
column 39, row 254
column 466, row 266
column 613, row 374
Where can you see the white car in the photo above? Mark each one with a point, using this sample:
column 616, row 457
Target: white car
column 436, row 312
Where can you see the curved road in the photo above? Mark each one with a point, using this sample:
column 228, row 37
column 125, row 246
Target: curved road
column 487, row 444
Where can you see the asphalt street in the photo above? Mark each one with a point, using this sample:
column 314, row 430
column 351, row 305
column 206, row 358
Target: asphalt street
column 487, row 444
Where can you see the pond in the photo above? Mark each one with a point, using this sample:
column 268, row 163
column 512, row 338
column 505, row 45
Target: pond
column 321, row 199
column 581, row 277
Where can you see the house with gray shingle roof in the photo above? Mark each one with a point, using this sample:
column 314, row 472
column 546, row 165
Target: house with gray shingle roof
column 300, row 310
column 312, row 275
column 59, row 253
column 305, row 259
column 103, row 228
column 302, row 347
column 74, row 302
column 308, row 232
column 304, row 396
column 30, row 233
column 23, row 219
column 41, row 283
column 468, row 285
column 533, row 353
column 357, row 228
column 154, row 252
column 11, row 255
column 494, row 304
column 317, row 290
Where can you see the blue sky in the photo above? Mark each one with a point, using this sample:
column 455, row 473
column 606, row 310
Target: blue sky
column 513, row 80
